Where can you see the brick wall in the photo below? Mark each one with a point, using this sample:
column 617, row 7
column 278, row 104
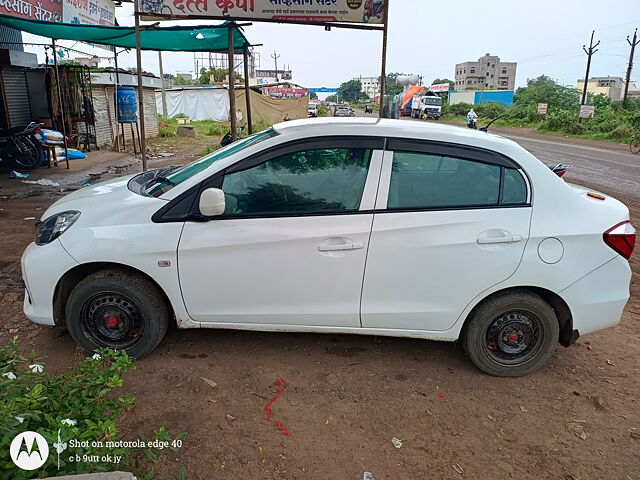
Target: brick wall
column 104, row 107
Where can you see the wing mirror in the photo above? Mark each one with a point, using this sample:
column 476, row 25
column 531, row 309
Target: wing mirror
column 212, row 202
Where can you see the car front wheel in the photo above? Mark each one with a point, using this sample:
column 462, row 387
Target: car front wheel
column 119, row 310
column 511, row 334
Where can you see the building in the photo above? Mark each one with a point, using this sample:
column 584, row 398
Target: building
column 612, row 87
column 488, row 73
column 370, row 86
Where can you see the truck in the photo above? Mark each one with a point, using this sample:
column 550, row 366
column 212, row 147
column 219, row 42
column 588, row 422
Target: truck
column 427, row 105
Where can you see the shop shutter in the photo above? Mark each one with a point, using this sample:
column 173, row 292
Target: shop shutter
column 17, row 94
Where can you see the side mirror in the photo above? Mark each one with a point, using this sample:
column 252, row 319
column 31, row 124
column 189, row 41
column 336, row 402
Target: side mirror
column 212, row 202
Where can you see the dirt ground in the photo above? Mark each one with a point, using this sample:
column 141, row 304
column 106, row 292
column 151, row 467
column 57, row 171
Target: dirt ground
column 348, row 396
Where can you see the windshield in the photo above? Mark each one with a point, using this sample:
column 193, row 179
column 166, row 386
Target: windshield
column 163, row 181
column 432, row 101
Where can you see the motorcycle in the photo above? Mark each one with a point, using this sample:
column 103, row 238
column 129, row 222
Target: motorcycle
column 226, row 140
column 373, row 8
column 472, row 123
column 19, row 149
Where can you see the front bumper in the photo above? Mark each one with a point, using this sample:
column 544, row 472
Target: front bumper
column 597, row 300
column 42, row 267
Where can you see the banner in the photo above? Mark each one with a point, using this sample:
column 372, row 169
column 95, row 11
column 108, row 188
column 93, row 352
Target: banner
column 89, row 12
column 440, row 87
column 292, row 11
column 278, row 92
column 48, row 10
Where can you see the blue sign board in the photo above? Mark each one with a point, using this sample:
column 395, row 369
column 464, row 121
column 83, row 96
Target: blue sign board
column 323, row 90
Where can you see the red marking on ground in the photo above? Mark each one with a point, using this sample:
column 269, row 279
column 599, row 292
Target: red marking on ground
column 268, row 411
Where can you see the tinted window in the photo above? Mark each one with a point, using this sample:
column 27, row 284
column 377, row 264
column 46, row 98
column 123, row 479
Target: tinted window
column 420, row 180
column 514, row 190
column 309, row 181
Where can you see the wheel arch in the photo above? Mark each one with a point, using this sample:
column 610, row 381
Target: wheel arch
column 72, row 277
column 560, row 307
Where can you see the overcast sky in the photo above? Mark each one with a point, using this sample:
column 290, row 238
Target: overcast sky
column 429, row 38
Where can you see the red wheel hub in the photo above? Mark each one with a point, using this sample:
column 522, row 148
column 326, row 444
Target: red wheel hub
column 512, row 337
column 112, row 321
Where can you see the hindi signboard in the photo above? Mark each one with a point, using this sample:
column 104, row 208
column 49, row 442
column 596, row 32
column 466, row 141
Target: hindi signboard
column 587, row 111
column 48, row 10
column 542, row 108
column 290, row 11
column 278, row 92
column 440, row 87
column 89, row 12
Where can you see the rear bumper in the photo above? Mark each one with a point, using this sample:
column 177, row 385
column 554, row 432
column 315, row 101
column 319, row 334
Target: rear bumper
column 42, row 267
column 597, row 300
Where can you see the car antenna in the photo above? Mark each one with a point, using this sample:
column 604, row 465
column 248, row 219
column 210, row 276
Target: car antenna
column 486, row 127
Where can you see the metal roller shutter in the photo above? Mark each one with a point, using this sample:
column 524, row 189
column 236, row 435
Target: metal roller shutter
column 16, row 93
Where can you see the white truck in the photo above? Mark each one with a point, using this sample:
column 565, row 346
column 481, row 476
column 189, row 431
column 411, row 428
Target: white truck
column 428, row 105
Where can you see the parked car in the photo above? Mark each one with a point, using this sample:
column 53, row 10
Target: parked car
column 312, row 110
column 343, row 112
column 366, row 226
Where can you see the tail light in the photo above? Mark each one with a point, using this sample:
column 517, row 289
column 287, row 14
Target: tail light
column 622, row 238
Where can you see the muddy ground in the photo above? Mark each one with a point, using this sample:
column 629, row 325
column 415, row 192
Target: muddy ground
column 348, row 396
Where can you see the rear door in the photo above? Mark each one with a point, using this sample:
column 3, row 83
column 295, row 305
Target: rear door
column 450, row 222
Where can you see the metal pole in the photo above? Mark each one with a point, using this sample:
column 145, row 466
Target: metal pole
column 247, row 90
column 115, row 102
column 383, row 77
column 164, row 93
column 630, row 67
column 61, row 105
column 232, row 90
column 143, row 140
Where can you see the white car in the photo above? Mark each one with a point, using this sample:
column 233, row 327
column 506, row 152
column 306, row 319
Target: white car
column 366, row 226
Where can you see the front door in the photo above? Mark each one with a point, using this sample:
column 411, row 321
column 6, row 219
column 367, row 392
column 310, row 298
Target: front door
column 448, row 225
column 290, row 248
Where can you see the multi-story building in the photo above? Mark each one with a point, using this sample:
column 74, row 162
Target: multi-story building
column 370, row 86
column 488, row 73
column 612, row 87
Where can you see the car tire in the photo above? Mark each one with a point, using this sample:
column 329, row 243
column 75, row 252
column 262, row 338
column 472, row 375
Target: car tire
column 119, row 310
column 511, row 334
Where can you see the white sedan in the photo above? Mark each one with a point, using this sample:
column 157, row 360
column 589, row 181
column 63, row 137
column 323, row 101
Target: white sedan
column 375, row 227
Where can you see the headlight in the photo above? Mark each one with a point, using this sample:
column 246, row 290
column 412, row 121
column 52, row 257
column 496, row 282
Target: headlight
column 54, row 226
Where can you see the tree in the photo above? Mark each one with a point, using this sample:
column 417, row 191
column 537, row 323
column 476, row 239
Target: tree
column 168, row 75
column 331, row 98
column 181, row 81
column 545, row 90
column 452, row 84
column 219, row 75
column 351, row 91
column 313, row 96
column 390, row 86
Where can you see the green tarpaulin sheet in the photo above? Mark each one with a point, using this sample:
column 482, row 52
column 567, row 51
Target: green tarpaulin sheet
column 210, row 38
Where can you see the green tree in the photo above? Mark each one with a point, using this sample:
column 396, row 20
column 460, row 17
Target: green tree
column 545, row 90
column 168, row 75
column 390, row 86
column 219, row 75
column 181, row 81
column 313, row 96
column 331, row 98
column 351, row 91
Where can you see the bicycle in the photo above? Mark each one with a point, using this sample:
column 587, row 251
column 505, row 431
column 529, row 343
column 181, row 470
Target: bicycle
column 634, row 146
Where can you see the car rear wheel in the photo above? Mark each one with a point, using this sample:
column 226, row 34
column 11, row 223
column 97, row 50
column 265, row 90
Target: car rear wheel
column 511, row 335
column 119, row 310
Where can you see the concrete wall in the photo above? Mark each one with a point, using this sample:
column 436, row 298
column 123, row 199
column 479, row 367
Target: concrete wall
column 104, row 107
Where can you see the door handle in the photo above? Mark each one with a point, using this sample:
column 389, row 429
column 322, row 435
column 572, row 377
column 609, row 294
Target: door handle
column 340, row 247
column 494, row 240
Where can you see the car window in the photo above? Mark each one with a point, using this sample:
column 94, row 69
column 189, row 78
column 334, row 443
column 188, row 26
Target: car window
column 181, row 174
column 420, row 180
column 308, row 181
column 514, row 190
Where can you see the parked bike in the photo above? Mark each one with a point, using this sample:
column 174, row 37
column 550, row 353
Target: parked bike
column 19, row 149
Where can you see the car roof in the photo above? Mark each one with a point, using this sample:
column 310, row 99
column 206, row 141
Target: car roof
column 384, row 127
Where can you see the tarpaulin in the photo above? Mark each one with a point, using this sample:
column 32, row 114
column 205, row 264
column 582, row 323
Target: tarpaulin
column 411, row 91
column 213, row 104
column 210, row 38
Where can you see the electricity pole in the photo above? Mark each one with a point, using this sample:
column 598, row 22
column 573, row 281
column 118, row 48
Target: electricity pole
column 275, row 57
column 633, row 44
column 592, row 49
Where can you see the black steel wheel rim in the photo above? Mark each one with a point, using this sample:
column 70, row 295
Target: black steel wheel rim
column 112, row 320
column 514, row 337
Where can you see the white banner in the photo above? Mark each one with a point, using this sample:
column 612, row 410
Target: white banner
column 89, row 12
column 293, row 11
column 440, row 87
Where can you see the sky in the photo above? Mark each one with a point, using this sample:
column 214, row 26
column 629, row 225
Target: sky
column 429, row 38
